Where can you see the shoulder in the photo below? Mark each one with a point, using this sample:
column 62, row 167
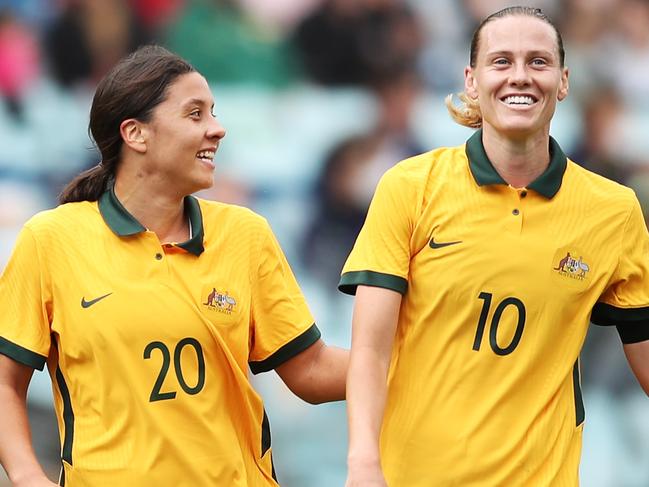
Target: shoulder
column 224, row 216
column 597, row 188
column 434, row 165
column 599, row 198
column 417, row 179
column 64, row 219
column 227, row 211
column 438, row 159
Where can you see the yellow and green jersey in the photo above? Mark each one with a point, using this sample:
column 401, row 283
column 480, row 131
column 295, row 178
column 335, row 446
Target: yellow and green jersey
column 149, row 344
column 498, row 288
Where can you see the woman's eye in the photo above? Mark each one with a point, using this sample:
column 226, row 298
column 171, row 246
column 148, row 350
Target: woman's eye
column 195, row 113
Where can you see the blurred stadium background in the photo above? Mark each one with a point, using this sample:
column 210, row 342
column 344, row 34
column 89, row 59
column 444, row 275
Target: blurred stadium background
column 319, row 97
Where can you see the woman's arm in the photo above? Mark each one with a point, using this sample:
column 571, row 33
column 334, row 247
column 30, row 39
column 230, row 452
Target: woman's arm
column 637, row 354
column 16, row 451
column 317, row 374
column 376, row 312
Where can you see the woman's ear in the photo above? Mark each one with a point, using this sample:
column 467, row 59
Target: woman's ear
column 133, row 134
column 565, row 85
column 470, row 84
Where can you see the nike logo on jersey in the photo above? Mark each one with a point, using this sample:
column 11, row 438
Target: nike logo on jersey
column 439, row 245
column 88, row 304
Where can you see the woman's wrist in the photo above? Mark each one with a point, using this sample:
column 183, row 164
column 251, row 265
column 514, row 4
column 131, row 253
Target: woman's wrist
column 363, row 460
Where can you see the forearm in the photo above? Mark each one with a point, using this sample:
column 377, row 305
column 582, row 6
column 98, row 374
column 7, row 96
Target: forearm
column 318, row 374
column 366, row 396
column 16, row 452
column 376, row 313
column 328, row 375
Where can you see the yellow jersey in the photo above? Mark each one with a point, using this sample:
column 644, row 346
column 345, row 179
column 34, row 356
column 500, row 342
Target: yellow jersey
column 498, row 287
column 148, row 344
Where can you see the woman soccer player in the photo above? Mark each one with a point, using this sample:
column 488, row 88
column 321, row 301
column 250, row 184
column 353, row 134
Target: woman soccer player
column 476, row 274
column 149, row 305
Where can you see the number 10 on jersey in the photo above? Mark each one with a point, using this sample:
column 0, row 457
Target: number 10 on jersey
column 495, row 321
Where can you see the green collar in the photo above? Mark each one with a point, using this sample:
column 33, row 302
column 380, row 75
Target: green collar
column 547, row 184
column 122, row 223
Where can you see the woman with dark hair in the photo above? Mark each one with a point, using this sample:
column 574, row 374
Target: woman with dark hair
column 476, row 274
column 148, row 305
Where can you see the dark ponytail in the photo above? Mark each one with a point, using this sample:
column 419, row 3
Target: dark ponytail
column 132, row 89
column 87, row 186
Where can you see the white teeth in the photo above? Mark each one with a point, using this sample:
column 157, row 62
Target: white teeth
column 519, row 100
column 206, row 154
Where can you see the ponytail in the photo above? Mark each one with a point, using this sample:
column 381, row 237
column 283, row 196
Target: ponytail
column 468, row 114
column 87, row 186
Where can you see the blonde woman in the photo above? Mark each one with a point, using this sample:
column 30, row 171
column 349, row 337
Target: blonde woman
column 476, row 275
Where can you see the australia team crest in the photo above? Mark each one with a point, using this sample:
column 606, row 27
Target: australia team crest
column 220, row 301
column 571, row 265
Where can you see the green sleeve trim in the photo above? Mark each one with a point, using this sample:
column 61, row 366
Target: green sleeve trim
column 608, row 315
column 350, row 280
column 632, row 323
column 21, row 354
column 633, row 333
column 288, row 351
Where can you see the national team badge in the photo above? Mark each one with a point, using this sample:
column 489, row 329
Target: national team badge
column 572, row 266
column 220, row 302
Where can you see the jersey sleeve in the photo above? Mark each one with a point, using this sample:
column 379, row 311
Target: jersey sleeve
column 625, row 303
column 282, row 325
column 381, row 255
column 24, row 322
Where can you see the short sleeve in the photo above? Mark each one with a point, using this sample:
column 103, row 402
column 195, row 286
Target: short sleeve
column 24, row 323
column 625, row 303
column 282, row 323
column 381, row 254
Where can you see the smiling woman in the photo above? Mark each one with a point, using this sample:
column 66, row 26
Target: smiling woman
column 476, row 275
column 149, row 304
column 174, row 150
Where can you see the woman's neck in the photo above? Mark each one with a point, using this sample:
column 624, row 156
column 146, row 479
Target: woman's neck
column 518, row 161
column 160, row 213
